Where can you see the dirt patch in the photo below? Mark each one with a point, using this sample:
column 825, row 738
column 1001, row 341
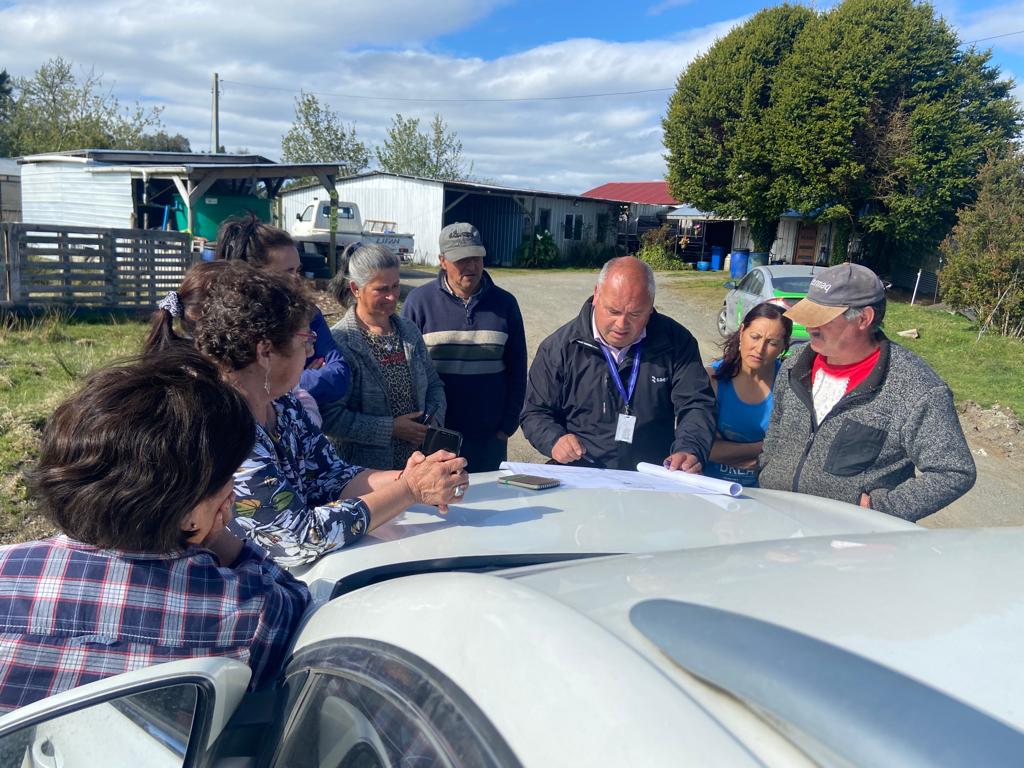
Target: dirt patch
column 996, row 430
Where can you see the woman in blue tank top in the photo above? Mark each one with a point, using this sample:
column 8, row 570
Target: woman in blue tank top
column 743, row 379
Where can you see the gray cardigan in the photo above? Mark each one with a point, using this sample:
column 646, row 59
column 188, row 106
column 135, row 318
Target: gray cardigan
column 360, row 423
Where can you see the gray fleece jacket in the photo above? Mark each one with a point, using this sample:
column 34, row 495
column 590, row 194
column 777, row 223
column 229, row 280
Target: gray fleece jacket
column 360, row 424
column 896, row 437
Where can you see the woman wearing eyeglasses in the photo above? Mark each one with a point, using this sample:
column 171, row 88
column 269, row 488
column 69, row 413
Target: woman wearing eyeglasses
column 294, row 495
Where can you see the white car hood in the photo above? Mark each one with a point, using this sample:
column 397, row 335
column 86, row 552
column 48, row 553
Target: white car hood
column 496, row 520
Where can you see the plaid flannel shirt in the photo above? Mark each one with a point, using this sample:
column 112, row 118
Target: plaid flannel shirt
column 71, row 613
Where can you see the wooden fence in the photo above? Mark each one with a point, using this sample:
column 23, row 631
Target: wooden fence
column 43, row 264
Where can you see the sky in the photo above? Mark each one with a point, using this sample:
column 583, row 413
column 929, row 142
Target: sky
column 557, row 96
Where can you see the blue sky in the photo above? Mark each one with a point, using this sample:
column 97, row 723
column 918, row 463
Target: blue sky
column 400, row 51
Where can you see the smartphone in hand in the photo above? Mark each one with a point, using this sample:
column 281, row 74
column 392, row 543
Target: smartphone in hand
column 441, row 439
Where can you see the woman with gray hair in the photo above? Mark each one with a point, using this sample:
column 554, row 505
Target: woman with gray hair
column 395, row 391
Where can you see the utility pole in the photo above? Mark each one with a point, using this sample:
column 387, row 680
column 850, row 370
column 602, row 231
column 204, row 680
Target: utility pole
column 215, row 128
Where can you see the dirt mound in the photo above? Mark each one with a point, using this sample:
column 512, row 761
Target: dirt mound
column 997, row 429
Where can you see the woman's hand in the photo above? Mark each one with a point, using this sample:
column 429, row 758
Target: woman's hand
column 437, row 479
column 408, row 430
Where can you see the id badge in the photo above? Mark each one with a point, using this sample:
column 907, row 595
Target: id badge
column 624, row 428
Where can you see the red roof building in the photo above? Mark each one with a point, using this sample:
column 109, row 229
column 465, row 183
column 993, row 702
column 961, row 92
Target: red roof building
column 645, row 192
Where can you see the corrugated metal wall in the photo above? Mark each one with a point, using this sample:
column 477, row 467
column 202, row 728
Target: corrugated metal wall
column 499, row 219
column 69, row 194
column 415, row 205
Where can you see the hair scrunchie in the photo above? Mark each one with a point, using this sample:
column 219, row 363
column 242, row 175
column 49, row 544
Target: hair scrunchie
column 171, row 303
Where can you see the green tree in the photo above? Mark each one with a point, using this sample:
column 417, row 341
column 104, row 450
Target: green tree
column 435, row 153
column 318, row 135
column 881, row 123
column 54, row 110
column 161, row 141
column 984, row 254
column 721, row 150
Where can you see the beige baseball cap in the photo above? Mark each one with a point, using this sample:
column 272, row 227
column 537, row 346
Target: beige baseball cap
column 833, row 291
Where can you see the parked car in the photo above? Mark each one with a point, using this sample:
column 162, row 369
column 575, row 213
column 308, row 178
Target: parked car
column 769, row 629
column 787, row 282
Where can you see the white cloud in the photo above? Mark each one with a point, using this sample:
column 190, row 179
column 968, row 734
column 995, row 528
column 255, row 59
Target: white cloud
column 166, row 53
column 665, row 5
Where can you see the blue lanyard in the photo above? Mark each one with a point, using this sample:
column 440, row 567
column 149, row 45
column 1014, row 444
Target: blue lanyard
column 626, row 396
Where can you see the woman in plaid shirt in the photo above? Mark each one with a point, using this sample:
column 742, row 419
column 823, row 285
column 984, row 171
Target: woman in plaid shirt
column 136, row 469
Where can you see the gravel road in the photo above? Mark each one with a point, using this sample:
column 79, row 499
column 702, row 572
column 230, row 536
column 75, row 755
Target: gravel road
column 550, row 299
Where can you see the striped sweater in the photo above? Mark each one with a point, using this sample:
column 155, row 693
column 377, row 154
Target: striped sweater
column 479, row 349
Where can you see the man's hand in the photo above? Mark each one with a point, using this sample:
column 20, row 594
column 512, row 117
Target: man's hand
column 865, row 501
column 683, row 462
column 567, row 449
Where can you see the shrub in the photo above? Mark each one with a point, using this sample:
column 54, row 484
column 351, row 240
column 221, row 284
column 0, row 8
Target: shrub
column 984, row 254
column 538, row 251
column 657, row 248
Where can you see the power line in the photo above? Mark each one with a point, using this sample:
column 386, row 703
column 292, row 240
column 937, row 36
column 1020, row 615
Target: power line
column 452, row 101
column 569, row 97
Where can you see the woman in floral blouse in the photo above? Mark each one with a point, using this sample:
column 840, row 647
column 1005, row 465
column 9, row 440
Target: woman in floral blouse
column 294, row 495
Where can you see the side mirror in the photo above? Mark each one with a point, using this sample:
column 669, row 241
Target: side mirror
column 298, row 217
column 730, row 284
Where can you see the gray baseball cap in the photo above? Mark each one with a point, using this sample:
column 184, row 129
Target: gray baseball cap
column 835, row 290
column 461, row 241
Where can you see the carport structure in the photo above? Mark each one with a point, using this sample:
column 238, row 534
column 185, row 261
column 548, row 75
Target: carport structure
column 154, row 176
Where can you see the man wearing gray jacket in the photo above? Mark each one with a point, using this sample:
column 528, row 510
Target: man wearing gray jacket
column 858, row 418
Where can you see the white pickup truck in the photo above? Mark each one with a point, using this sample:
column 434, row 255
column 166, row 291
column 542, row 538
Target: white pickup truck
column 313, row 234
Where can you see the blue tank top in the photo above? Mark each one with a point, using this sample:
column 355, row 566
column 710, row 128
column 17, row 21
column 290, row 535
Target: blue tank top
column 739, row 422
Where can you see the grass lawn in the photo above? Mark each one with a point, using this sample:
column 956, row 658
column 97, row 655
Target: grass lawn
column 41, row 361
column 986, row 370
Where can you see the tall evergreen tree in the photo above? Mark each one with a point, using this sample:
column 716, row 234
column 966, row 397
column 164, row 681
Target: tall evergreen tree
column 881, row 123
column 721, row 152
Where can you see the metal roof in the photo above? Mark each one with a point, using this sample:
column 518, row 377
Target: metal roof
column 139, row 157
column 478, row 187
column 645, row 192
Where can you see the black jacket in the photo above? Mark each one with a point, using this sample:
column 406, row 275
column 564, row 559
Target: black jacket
column 570, row 390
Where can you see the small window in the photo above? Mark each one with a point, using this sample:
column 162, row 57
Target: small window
column 573, row 228
column 307, row 215
column 346, row 212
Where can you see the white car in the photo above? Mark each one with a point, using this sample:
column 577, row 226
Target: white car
column 770, row 629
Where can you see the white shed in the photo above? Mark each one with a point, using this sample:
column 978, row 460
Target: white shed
column 504, row 215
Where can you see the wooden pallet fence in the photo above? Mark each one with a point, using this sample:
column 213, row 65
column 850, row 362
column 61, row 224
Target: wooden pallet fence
column 94, row 267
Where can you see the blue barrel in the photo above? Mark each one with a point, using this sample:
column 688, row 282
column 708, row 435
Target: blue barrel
column 738, row 265
column 717, row 252
column 703, row 265
column 758, row 259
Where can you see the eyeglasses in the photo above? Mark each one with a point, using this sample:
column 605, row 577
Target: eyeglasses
column 309, row 337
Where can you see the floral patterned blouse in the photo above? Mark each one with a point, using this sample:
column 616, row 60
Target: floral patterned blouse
column 288, row 491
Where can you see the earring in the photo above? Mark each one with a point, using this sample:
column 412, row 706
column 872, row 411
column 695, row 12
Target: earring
column 266, row 382
column 192, row 526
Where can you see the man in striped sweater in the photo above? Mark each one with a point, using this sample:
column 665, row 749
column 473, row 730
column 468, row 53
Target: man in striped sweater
column 474, row 331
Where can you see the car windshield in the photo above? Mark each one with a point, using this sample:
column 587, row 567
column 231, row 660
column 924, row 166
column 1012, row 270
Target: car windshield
column 791, row 284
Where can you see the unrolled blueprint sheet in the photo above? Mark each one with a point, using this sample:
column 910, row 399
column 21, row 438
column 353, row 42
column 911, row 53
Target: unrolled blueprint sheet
column 649, row 477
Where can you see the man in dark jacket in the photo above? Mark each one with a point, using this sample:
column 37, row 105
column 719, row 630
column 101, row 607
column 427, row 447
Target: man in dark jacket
column 858, row 418
column 474, row 331
column 621, row 383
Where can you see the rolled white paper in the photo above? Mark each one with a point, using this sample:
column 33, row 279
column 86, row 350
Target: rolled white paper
column 706, row 484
